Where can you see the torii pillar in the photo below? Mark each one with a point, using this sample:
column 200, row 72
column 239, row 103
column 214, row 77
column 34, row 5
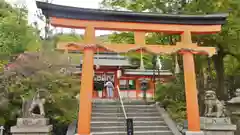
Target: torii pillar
column 84, row 116
column 190, row 87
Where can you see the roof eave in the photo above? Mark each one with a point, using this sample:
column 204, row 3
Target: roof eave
column 147, row 72
column 59, row 11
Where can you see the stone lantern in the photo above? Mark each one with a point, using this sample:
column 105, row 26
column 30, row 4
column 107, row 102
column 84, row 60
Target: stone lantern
column 234, row 109
column 234, row 103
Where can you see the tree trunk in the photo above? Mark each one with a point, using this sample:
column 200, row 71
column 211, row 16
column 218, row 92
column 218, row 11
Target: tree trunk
column 201, row 89
column 219, row 67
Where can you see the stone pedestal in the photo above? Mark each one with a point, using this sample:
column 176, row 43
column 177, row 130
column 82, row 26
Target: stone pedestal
column 217, row 126
column 32, row 126
column 194, row 133
column 234, row 109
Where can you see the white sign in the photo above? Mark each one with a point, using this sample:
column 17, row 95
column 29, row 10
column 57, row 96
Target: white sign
column 104, row 77
column 119, row 73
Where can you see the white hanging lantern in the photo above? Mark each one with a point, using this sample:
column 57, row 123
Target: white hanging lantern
column 142, row 67
column 119, row 73
column 177, row 68
column 159, row 63
column 97, row 62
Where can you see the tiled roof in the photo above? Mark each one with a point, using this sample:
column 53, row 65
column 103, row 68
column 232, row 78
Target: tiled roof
column 110, row 60
column 147, row 72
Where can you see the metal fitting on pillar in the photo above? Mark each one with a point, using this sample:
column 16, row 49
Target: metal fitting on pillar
column 90, row 46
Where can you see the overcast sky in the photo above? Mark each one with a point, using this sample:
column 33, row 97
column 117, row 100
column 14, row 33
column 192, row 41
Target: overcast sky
column 31, row 5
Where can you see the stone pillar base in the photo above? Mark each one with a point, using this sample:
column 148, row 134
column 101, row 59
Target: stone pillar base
column 194, row 133
column 217, row 126
column 44, row 130
column 32, row 126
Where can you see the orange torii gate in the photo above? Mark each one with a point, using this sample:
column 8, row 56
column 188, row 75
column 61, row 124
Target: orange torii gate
column 139, row 23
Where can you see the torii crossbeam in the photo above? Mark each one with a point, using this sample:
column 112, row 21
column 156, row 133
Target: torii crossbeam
column 139, row 23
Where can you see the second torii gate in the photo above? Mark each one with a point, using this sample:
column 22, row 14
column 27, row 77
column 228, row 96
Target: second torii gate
column 139, row 23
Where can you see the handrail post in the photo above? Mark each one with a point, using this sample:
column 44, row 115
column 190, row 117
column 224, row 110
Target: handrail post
column 122, row 105
column 1, row 130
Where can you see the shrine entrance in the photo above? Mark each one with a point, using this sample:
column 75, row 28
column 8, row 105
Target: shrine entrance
column 99, row 80
column 139, row 23
column 121, row 71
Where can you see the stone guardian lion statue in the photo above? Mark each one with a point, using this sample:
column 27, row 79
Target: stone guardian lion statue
column 37, row 102
column 29, row 106
column 214, row 107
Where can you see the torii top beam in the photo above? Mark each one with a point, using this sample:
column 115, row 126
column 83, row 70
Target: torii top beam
column 73, row 17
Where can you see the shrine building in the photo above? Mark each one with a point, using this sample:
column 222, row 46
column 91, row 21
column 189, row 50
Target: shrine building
column 108, row 66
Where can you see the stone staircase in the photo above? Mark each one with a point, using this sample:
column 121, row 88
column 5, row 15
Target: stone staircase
column 108, row 118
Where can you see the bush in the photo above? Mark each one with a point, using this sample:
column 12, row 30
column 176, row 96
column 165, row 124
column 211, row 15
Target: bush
column 172, row 97
column 43, row 72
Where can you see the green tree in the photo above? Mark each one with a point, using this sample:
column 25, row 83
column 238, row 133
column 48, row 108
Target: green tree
column 172, row 97
column 16, row 36
column 49, row 71
column 163, row 6
column 68, row 37
column 226, row 42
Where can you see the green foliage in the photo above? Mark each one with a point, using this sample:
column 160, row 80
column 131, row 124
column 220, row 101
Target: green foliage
column 68, row 38
column 232, row 66
column 172, row 97
column 51, row 43
column 173, row 90
column 2, row 64
column 75, row 57
column 49, row 71
column 15, row 35
column 226, row 41
column 177, row 111
column 229, row 37
column 123, row 37
column 61, row 87
column 163, row 6
column 103, row 39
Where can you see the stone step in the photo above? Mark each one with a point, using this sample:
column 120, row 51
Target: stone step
column 119, row 114
column 129, row 113
column 108, row 118
column 125, row 102
column 123, row 128
column 122, row 123
column 126, row 106
column 157, row 132
column 143, row 118
column 128, row 110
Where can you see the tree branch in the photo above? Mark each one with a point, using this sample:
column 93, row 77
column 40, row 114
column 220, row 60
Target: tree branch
column 227, row 52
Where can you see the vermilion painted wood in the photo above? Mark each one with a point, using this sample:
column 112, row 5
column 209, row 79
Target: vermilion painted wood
column 139, row 23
